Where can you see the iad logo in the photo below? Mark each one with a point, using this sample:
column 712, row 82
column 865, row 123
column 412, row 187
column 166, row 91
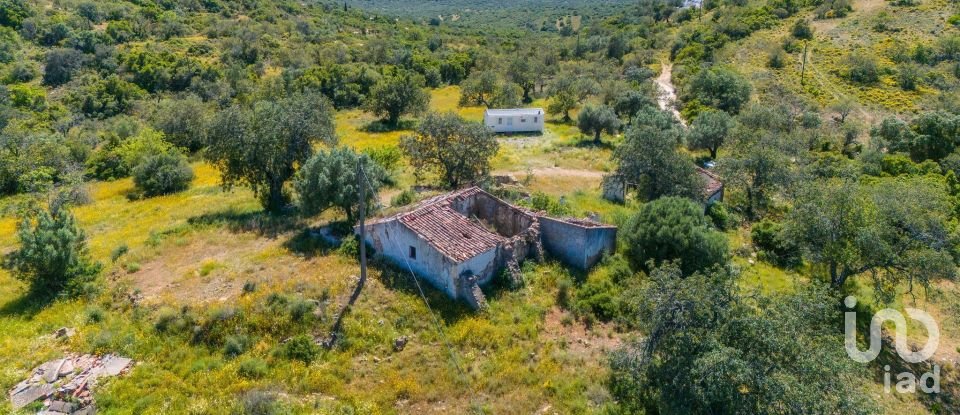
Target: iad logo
column 906, row 381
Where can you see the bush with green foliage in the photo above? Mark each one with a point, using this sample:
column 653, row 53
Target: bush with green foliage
column 300, row 348
column 673, row 229
column 542, row 202
column 594, row 120
column 52, row 258
column 862, row 68
column 720, row 88
column 720, row 216
column 802, row 30
column 163, row 174
column 253, row 368
column 403, row 198
column 775, row 247
column 330, row 179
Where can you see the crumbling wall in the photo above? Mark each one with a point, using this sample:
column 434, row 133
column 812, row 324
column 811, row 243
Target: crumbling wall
column 579, row 244
column 507, row 220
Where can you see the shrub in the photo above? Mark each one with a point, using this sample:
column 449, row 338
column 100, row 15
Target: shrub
column 118, row 252
column 802, row 30
column 907, row 75
column 253, row 368
column 301, row 309
column 300, row 348
column 777, row 58
column 564, row 286
column 540, row 201
column 768, row 237
column 349, row 247
column 163, row 174
column 862, row 68
column 95, row 314
column 598, row 297
column 673, row 228
column 53, row 257
column 954, row 20
column 403, row 198
column 719, row 215
column 171, row 321
column 235, row 345
column 258, row 402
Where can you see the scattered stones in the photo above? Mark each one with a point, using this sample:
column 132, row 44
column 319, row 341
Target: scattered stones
column 400, row 343
column 64, row 384
column 64, row 333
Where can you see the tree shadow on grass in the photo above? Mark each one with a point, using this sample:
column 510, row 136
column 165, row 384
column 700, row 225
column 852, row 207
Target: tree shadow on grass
column 398, row 279
column 259, row 222
column 380, row 126
column 27, row 305
column 318, row 241
column 589, row 143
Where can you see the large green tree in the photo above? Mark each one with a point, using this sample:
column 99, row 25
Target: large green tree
column 261, row 145
column 709, row 131
column 456, row 149
column 649, row 162
column 398, row 94
column 709, row 349
column 720, row 88
column 893, row 230
column 673, row 229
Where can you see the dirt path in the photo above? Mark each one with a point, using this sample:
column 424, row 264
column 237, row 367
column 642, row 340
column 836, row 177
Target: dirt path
column 554, row 172
column 668, row 93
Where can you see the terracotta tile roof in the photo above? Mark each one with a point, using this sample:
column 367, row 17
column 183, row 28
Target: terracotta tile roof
column 456, row 236
column 713, row 183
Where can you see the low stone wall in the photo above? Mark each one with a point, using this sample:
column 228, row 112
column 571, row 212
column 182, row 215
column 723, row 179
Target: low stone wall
column 580, row 244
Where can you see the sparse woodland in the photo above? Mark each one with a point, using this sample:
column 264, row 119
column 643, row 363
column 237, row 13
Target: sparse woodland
column 174, row 175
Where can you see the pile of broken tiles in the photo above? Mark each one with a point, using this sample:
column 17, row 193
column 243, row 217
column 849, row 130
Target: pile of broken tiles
column 64, row 384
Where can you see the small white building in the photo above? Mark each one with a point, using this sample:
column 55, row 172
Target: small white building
column 514, row 120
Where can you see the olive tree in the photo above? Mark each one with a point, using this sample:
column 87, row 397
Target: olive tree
column 261, row 145
column 398, row 94
column 649, row 162
column 895, row 230
column 710, row 349
column 593, row 120
column 709, row 131
column 456, row 149
column 329, row 180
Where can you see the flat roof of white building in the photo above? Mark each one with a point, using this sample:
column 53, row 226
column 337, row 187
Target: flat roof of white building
column 498, row 112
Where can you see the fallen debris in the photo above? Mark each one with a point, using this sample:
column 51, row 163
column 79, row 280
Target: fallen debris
column 64, row 384
column 400, row 343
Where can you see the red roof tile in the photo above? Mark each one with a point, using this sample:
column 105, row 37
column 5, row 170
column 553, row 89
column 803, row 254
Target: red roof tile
column 456, row 236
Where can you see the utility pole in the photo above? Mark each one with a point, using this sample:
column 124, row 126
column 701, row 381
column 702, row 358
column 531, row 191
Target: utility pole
column 803, row 64
column 361, row 187
column 361, row 183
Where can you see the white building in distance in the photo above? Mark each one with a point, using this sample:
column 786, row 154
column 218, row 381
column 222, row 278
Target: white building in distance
column 515, row 120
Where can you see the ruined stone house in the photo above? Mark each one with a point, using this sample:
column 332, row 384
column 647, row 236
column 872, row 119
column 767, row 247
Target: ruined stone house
column 459, row 241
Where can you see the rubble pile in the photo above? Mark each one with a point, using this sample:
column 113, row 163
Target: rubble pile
column 64, row 384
